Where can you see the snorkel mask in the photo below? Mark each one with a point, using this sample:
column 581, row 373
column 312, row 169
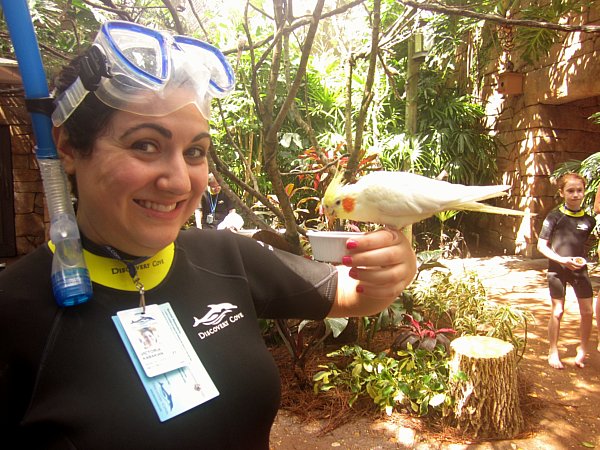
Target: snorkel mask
column 143, row 71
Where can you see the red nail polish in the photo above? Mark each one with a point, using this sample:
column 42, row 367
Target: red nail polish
column 347, row 260
column 353, row 273
column 351, row 244
column 360, row 289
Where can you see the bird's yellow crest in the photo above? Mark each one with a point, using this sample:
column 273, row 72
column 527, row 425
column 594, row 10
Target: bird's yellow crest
column 333, row 190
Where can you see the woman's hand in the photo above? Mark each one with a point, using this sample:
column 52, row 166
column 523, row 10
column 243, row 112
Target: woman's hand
column 378, row 267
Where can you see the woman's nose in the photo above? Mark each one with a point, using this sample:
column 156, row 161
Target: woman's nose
column 175, row 176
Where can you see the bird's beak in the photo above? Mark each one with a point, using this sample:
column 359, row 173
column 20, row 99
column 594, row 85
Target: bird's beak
column 330, row 214
column 327, row 212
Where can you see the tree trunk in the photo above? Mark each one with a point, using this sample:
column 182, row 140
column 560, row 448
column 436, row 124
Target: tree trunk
column 487, row 402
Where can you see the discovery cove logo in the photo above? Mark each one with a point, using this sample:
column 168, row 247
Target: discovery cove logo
column 219, row 316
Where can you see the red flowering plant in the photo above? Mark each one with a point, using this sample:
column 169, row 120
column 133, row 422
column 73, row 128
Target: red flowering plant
column 421, row 335
column 313, row 174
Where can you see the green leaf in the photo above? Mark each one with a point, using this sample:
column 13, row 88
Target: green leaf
column 437, row 400
column 336, row 325
column 588, row 444
column 322, row 375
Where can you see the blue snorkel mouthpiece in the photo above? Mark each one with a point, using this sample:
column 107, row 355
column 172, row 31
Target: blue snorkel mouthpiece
column 71, row 283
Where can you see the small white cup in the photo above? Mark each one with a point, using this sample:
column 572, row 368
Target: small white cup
column 330, row 246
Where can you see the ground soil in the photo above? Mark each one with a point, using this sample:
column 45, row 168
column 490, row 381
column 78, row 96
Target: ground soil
column 561, row 407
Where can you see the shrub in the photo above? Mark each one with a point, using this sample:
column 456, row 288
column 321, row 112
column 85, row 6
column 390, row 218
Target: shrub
column 459, row 301
column 417, row 379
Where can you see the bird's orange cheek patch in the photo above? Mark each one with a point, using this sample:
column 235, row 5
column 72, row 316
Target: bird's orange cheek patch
column 348, row 204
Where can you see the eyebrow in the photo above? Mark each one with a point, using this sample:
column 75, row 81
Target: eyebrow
column 163, row 131
column 202, row 135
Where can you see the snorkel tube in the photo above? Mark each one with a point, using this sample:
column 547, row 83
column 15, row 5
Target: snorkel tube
column 70, row 278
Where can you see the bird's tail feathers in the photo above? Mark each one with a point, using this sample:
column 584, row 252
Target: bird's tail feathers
column 482, row 207
column 471, row 194
column 496, row 194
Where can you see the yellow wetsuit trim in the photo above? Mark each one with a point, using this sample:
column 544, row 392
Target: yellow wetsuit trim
column 568, row 212
column 113, row 273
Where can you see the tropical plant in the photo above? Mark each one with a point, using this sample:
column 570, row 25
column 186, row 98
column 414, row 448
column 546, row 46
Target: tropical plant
column 389, row 318
column 415, row 380
column 459, row 301
column 457, row 143
column 534, row 43
column 300, row 343
column 420, row 335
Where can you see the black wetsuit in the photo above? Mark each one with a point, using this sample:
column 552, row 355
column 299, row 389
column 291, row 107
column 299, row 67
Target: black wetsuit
column 66, row 381
column 567, row 233
column 217, row 205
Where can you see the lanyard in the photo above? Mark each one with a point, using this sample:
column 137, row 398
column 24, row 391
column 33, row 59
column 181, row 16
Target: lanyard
column 132, row 273
column 213, row 204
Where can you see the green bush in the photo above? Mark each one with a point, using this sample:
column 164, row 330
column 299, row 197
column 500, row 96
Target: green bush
column 459, row 301
column 416, row 379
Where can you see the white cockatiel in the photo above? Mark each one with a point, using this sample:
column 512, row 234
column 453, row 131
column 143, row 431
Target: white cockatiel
column 398, row 199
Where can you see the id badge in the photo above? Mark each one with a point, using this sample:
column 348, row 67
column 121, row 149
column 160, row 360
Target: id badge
column 178, row 390
column 154, row 342
column 210, row 218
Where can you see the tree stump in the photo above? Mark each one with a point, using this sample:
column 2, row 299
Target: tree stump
column 487, row 402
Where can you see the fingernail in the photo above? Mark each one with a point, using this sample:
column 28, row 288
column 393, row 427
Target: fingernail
column 347, row 260
column 360, row 289
column 353, row 273
column 351, row 244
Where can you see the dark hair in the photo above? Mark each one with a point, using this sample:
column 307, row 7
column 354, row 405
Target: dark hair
column 90, row 118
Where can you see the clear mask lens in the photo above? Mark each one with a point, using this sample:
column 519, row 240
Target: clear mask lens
column 136, row 51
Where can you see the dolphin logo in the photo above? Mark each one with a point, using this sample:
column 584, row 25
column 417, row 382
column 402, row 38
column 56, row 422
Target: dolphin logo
column 167, row 395
column 215, row 315
column 143, row 319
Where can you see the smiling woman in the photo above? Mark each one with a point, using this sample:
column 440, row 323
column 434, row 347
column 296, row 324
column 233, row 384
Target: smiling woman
column 132, row 130
column 143, row 179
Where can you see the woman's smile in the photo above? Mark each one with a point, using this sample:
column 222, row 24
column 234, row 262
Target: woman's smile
column 157, row 206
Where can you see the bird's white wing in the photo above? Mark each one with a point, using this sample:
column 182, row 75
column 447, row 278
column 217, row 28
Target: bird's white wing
column 402, row 193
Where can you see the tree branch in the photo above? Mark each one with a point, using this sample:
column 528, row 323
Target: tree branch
column 456, row 11
column 312, row 172
column 353, row 161
column 297, row 24
column 224, row 168
column 109, row 6
column 307, row 46
column 173, row 11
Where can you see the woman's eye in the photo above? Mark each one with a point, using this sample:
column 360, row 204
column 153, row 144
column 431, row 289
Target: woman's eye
column 145, row 146
column 195, row 153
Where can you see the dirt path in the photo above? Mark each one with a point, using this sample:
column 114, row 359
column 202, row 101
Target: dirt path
column 563, row 406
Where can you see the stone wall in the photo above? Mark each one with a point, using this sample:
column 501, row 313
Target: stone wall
column 539, row 129
column 31, row 217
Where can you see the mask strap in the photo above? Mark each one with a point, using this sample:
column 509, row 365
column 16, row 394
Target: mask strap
column 93, row 66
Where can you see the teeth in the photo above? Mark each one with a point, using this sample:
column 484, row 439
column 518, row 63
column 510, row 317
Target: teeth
column 157, row 206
